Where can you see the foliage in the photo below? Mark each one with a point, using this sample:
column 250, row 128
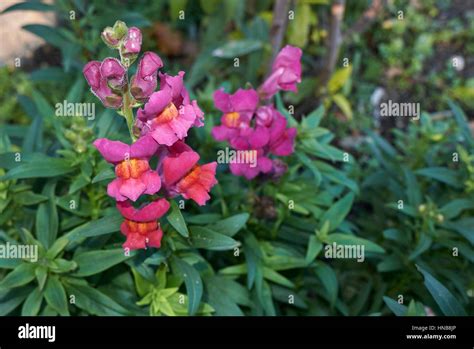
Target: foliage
column 258, row 247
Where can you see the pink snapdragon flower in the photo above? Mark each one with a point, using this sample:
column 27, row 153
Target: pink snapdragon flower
column 134, row 176
column 169, row 114
column 286, row 72
column 144, row 82
column 105, row 79
column 132, row 43
column 141, row 226
column 238, row 109
column 250, row 126
column 183, row 176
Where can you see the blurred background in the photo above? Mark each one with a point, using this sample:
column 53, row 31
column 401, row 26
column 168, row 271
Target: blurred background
column 357, row 55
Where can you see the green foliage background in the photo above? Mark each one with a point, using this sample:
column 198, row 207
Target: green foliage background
column 257, row 248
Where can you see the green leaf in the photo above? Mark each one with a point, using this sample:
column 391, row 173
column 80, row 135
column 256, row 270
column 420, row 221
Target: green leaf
column 29, row 6
column 143, row 286
column 311, row 166
column 103, row 175
column 12, row 299
column 236, row 48
column 41, row 273
column 27, row 198
column 57, row 247
column 49, row 34
column 343, row 104
column 314, row 247
column 55, row 296
column 412, row 188
column 277, row 278
column 397, row 308
column 205, row 238
column 329, row 280
column 175, row 218
column 60, row 265
column 464, row 227
column 32, row 304
column 347, row 239
column 455, row 207
column 339, row 78
column 40, row 167
column 102, row 226
column 441, row 174
column 19, row 276
column 448, row 304
column 299, row 28
column 193, row 283
column 47, row 218
column 336, row 214
column 225, row 296
column 93, row 262
column 460, row 118
column 231, row 225
column 93, row 301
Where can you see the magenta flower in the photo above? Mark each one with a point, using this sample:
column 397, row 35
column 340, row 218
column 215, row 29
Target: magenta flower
column 238, row 110
column 281, row 142
column 133, row 42
column 168, row 114
column 183, row 176
column 134, row 176
column 286, row 72
column 104, row 76
column 141, row 226
column 263, row 165
column 144, row 82
column 113, row 72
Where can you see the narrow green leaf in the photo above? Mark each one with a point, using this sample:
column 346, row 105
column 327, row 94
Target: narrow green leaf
column 347, row 239
column 231, row 225
column 93, row 262
column 193, row 283
column 448, row 304
column 336, row 214
column 19, row 276
column 55, row 295
column 175, row 218
column 32, row 304
column 205, row 238
column 397, row 308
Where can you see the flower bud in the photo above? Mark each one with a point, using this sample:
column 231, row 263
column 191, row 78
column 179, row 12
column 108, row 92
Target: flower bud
column 99, row 85
column 144, row 82
column 131, row 46
column 440, row 218
column 113, row 36
column 113, row 72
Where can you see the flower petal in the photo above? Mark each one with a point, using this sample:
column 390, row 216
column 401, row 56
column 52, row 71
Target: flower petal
column 132, row 188
column 112, row 151
column 176, row 167
column 149, row 213
column 144, row 148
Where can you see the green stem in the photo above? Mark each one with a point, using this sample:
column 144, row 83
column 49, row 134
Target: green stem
column 128, row 114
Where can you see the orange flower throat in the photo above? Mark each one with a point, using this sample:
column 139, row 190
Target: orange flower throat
column 231, row 119
column 141, row 228
column 168, row 114
column 132, row 168
column 190, row 179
